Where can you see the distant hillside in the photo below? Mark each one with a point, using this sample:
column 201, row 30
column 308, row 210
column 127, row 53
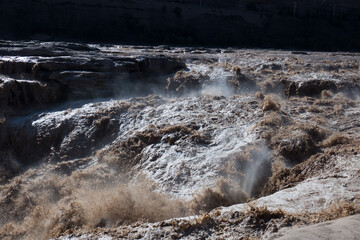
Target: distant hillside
column 302, row 24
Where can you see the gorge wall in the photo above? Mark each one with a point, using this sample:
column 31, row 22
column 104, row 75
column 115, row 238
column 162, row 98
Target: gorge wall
column 302, row 24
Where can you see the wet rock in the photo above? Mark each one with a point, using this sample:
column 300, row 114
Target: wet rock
column 18, row 144
column 27, row 51
column 85, row 84
column 315, row 87
column 19, row 95
column 125, row 155
column 9, row 167
column 73, row 134
column 345, row 228
column 160, row 65
column 297, row 147
column 185, row 82
column 240, row 82
column 297, row 143
column 308, row 88
column 299, row 53
column 47, row 49
column 16, row 67
column 77, row 70
column 272, row 66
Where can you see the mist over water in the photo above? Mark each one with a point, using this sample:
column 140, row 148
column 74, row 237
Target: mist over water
column 156, row 147
column 159, row 158
column 96, row 139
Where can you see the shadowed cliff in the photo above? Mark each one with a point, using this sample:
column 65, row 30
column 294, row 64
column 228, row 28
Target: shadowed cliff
column 312, row 25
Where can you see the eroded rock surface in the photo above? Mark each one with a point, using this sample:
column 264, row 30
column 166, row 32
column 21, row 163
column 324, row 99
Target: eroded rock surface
column 40, row 74
column 342, row 228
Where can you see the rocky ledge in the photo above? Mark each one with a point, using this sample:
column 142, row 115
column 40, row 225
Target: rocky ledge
column 35, row 75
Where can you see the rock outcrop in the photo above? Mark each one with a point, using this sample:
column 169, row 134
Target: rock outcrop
column 34, row 75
